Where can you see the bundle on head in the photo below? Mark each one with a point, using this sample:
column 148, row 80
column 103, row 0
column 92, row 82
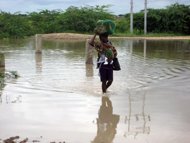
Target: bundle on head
column 105, row 26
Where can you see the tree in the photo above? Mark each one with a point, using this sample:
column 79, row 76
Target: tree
column 44, row 22
column 13, row 25
column 179, row 16
column 83, row 19
column 122, row 25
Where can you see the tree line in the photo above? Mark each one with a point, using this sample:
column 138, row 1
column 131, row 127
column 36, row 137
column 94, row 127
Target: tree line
column 173, row 19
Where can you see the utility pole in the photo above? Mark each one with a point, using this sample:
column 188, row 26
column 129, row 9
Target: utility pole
column 131, row 17
column 145, row 17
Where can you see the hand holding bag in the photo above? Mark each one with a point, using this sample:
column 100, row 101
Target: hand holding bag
column 116, row 65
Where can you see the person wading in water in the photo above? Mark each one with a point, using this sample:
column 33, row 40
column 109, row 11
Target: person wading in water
column 106, row 53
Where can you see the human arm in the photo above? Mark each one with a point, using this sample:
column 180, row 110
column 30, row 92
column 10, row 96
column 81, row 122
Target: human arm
column 114, row 52
column 91, row 42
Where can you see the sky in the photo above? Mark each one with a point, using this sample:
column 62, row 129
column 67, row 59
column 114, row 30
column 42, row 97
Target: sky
column 117, row 6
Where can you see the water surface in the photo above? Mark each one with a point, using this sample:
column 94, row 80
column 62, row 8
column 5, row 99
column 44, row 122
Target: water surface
column 58, row 97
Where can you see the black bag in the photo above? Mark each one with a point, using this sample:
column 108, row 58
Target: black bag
column 116, row 65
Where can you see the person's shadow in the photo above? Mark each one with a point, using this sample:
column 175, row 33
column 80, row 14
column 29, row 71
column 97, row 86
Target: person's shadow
column 106, row 122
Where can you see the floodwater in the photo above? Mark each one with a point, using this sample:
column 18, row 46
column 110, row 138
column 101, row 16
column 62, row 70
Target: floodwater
column 58, row 97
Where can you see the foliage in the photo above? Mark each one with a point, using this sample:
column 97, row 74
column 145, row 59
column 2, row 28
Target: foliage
column 44, row 22
column 13, row 25
column 73, row 19
column 122, row 25
column 173, row 19
column 83, row 19
column 6, row 76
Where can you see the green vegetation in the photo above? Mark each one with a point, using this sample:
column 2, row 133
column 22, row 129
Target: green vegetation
column 175, row 19
column 6, row 76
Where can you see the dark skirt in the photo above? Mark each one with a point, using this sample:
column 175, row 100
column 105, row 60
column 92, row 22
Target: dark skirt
column 106, row 72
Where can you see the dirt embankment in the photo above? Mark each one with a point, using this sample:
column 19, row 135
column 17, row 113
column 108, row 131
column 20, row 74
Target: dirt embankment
column 66, row 36
column 73, row 36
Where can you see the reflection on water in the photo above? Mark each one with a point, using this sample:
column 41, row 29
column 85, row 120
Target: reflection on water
column 2, row 74
column 58, row 95
column 106, row 122
column 2, row 82
column 137, row 120
column 38, row 58
column 135, row 123
column 89, row 70
column 163, row 50
column 149, row 61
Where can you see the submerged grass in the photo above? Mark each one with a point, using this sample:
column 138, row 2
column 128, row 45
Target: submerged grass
column 7, row 75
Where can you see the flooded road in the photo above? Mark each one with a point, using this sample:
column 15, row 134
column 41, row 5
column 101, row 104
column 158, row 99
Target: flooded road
column 58, row 97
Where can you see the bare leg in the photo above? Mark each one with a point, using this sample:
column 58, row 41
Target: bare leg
column 104, row 86
column 108, row 83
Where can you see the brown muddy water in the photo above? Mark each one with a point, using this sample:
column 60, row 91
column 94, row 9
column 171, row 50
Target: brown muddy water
column 58, row 97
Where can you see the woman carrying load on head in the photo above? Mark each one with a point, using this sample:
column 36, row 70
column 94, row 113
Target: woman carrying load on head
column 106, row 53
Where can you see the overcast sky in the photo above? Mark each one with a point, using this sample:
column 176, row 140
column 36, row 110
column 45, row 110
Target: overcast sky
column 118, row 6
